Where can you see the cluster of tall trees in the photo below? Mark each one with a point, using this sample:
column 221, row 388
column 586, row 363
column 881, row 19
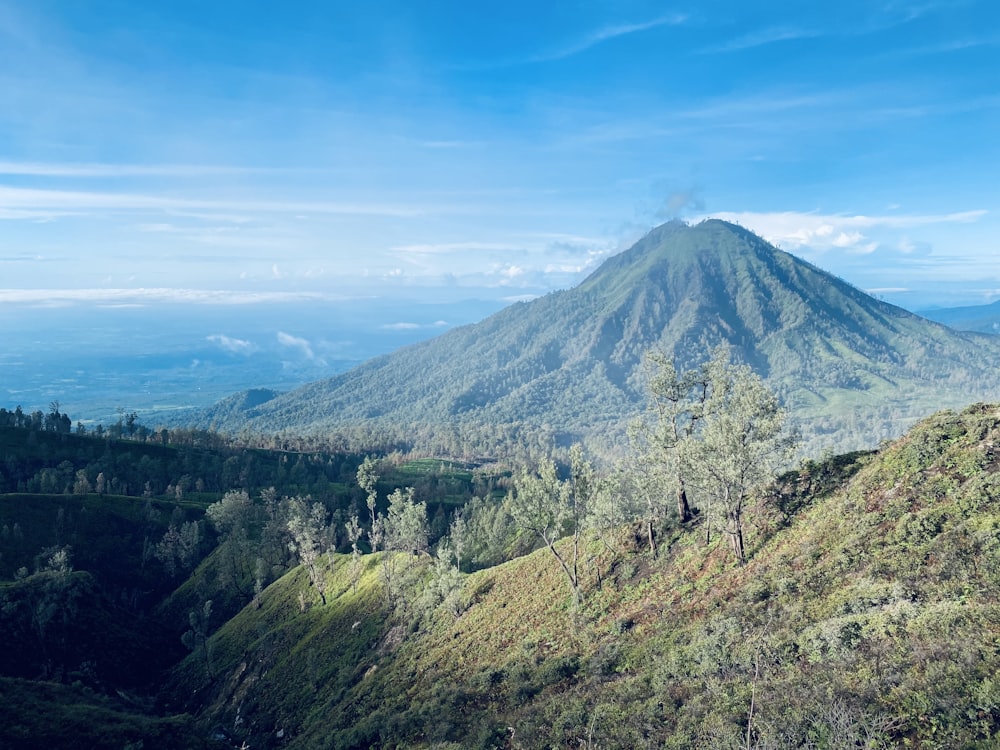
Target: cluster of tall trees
column 53, row 421
column 712, row 438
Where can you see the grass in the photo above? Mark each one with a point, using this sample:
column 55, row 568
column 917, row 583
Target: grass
column 48, row 715
column 870, row 607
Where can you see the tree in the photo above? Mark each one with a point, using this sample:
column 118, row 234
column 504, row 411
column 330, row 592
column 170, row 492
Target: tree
column 368, row 481
column 740, row 443
column 548, row 508
column 237, row 518
column 196, row 638
column 179, row 546
column 676, row 404
column 81, row 486
column 405, row 530
column 353, row 527
column 458, row 535
column 406, row 526
column 618, row 499
column 445, row 584
column 307, row 525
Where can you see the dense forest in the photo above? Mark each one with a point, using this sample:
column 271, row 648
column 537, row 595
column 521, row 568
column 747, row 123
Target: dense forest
column 703, row 589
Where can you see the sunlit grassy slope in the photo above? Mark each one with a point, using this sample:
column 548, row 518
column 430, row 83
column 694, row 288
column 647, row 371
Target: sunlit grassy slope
column 868, row 615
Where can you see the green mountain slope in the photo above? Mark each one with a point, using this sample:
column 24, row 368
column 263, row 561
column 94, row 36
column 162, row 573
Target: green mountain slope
column 868, row 615
column 838, row 357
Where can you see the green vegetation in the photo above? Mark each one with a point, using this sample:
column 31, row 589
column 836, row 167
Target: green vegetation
column 567, row 367
column 865, row 616
column 101, row 592
column 48, row 715
column 181, row 588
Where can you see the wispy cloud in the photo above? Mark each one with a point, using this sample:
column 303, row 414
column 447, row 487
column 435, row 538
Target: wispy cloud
column 56, row 201
column 445, row 248
column 158, row 295
column 892, row 13
column 761, row 38
column 580, row 44
column 451, row 144
column 405, row 326
column 947, row 47
column 606, row 33
column 72, row 169
column 299, row 344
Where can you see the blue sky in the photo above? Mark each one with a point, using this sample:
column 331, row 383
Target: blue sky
column 250, row 150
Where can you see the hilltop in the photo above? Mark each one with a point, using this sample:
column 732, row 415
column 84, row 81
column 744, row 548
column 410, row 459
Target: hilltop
column 851, row 369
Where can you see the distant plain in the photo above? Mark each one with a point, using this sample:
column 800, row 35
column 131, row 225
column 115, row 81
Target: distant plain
column 158, row 358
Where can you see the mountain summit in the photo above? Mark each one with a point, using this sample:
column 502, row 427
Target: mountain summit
column 572, row 360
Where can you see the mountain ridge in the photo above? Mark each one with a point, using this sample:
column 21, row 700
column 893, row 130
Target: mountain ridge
column 573, row 358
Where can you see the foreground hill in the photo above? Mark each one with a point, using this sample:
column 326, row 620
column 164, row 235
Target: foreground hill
column 868, row 615
column 841, row 360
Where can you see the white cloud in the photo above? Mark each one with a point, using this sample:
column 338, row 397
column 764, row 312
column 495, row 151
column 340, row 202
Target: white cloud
column 444, row 248
column 234, row 345
column 822, row 232
column 606, row 33
column 299, row 344
column 404, row 326
column 565, row 268
column 510, row 271
column 81, row 169
column 57, row 201
column 150, row 296
column 761, row 38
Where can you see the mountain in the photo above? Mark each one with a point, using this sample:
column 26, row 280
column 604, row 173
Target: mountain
column 866, row 616
column 571, row 361
column 981, row 318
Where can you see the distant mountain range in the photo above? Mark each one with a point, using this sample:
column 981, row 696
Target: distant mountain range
column 851, row 369
column 981, row 318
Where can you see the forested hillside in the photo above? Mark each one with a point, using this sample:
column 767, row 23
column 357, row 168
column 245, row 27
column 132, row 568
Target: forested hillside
column 682, row 597
column 111, row 540
column 568, row 366
column 866, row 616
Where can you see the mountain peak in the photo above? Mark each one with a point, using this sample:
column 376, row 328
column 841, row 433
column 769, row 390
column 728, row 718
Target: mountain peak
column 680, row 245
column 572, row 360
